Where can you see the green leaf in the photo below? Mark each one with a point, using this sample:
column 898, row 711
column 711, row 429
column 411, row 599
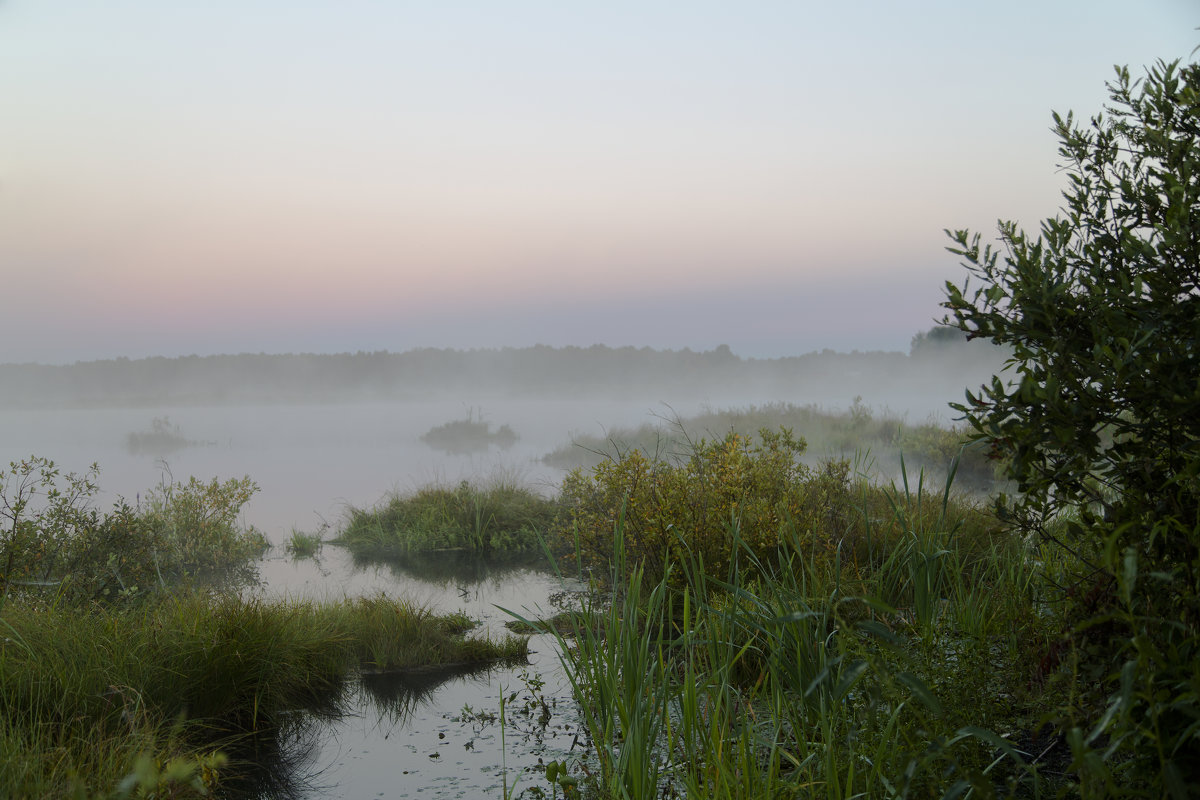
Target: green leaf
column 878, row 630
column 849, row 677
column 920, row 691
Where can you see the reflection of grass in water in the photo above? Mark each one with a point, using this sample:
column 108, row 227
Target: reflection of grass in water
column 278, row 763
column 564, row 623
column 458, row 568
column 397, row 695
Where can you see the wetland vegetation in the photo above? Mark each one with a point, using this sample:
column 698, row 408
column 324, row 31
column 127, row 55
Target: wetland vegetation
column 501, row 521
column 761, row 624
column 758, row 622
column 132, row 666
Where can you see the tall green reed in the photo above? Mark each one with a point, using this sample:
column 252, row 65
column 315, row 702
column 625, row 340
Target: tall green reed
column 793, row 674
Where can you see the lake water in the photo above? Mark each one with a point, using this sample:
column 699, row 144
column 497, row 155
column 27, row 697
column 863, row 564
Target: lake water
column 407, row 736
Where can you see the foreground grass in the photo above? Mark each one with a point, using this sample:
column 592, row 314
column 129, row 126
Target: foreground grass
column 501, row 521
column 874, row 642
column 90, row 698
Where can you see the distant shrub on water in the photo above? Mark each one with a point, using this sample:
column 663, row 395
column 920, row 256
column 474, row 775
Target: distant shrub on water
column 468, row 435
column 162, row 438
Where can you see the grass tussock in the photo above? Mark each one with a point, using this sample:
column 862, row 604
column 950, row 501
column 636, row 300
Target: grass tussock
column 305, row 544
column 85, row 696
column 501, row 521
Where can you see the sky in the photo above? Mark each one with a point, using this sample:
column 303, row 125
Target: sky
column 265, row 176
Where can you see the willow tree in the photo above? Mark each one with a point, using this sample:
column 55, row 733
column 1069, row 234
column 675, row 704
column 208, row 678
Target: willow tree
column 1097, row 414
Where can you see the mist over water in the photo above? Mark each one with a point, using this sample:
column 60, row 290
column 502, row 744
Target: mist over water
column 313, row 459
column 317, row 447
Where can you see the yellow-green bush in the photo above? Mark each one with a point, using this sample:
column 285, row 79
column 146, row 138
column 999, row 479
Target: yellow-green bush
column 688, row 507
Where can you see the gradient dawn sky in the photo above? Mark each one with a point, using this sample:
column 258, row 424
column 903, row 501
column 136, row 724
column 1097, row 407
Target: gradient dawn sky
column 260, row 176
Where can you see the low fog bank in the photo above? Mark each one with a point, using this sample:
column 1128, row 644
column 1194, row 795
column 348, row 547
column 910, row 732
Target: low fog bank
column 921, row 382
column 321, row 434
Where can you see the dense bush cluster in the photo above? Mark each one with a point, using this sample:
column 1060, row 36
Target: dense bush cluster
column 671, row 509
column 752, row 490
column 55, row 543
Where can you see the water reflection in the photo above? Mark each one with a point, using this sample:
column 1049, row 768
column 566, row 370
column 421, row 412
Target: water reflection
column 439, row 735
column 397, row 695
column 432, row 732
column 458, row 569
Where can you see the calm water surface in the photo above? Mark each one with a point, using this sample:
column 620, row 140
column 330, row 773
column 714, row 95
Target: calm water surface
column 407, row 735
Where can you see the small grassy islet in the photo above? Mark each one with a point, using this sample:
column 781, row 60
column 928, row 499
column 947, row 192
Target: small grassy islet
column 501, row 521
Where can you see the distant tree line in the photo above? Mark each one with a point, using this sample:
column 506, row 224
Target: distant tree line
column 307, row 377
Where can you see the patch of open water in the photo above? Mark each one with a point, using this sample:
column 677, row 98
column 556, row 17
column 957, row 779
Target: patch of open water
column 434, row 734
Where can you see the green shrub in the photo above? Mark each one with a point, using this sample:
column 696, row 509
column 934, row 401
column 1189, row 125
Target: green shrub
column 56, row 542
column 934, row 447
column 1099, row 423
column 668, row 509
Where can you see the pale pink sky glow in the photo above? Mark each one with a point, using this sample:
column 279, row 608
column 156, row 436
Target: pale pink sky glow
column 267, row 176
